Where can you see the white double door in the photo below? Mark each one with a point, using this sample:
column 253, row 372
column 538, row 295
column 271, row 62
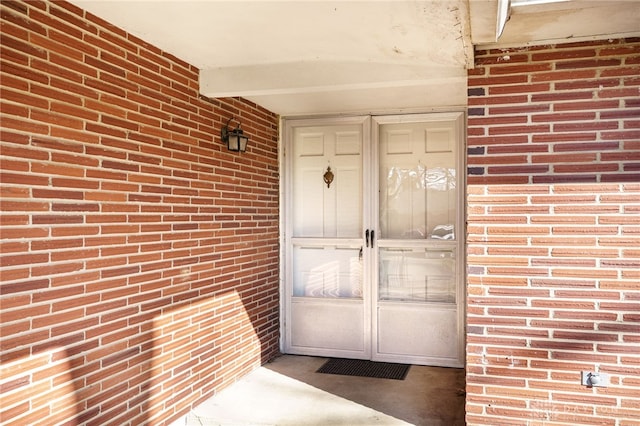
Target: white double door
column 373, row 229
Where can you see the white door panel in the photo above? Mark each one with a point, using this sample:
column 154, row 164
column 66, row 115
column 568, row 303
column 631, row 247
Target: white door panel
column 321, row 327
column 413, row 332
column 321, row 210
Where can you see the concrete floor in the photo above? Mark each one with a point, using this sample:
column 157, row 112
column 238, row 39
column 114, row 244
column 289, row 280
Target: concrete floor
column 288, row 391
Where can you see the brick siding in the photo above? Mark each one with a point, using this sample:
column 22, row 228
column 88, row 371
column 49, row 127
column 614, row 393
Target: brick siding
column 554, row 234
column 139, row 257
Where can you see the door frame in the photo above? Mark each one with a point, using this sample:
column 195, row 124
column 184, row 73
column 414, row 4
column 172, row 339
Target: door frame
column 370, row 124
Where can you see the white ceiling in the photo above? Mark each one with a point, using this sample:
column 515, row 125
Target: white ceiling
column 315, row 57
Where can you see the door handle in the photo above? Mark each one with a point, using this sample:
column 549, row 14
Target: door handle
column 366, row 237
column 372, row 236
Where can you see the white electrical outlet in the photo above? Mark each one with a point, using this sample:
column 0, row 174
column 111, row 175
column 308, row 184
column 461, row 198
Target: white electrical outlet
column 593, row 379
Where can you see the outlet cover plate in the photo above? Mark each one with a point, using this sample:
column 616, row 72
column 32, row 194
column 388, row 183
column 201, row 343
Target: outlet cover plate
column 591, row 378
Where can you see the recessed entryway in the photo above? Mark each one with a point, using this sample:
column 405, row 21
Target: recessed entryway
column 373, row 239
column 289, row 391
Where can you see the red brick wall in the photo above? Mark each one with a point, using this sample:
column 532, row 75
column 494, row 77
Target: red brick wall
column 554, row 234
column 139, row 257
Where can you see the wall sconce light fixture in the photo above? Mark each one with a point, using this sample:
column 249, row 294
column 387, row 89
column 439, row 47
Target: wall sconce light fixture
column 235, row 139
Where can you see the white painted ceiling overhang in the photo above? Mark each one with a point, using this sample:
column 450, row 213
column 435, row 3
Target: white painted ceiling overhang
column 319, row 57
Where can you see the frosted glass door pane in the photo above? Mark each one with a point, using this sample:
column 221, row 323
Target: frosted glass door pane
column 418, row 181
column 422, row 275
column 329, row 272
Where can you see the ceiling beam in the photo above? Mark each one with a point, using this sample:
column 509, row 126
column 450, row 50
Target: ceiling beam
column 315, row 77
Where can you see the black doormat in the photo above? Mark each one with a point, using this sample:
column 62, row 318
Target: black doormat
column 364, row 368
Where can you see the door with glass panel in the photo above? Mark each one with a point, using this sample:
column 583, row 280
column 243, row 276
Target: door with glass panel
column 418, row 312
column 372, row 252
column 326, row 313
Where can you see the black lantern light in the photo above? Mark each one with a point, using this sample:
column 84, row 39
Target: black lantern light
column 235, row 139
